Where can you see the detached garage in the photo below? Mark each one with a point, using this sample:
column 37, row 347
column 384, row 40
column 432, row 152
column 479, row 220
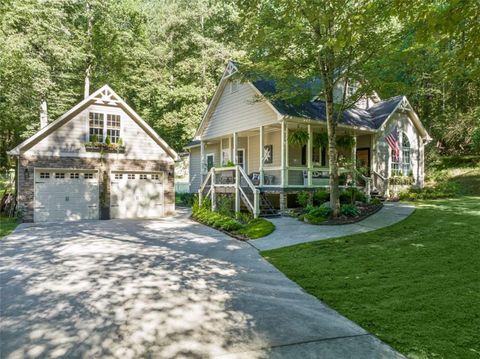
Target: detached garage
column 99, row 160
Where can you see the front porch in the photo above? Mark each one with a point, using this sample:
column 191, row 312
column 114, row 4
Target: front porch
column 276, row 169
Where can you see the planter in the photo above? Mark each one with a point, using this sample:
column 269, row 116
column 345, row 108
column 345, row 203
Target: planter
column 101, row 147
column 104, row 213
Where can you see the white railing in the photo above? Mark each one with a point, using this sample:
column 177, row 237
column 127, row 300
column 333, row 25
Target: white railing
column 368, row 183
column 384, row 184
column 240, row 184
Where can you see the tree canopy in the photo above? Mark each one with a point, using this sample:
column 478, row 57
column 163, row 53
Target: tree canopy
column 166, row 57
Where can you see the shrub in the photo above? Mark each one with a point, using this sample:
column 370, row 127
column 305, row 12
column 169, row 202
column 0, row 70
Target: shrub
column 225, row 204
column 303, row 198
column 476, row 140
column 244, row 217
column 352, row 194
column 441, row 190
column 230, row 225
column 186, row 199
column 314, row 220
column 323, row 212
column 349, row 210
column 257, row 228
column 320, row 196
column 375, row 201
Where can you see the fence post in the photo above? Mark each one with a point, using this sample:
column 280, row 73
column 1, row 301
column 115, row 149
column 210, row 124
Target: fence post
column 199, row 198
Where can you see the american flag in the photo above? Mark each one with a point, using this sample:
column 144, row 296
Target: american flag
column 393, row 142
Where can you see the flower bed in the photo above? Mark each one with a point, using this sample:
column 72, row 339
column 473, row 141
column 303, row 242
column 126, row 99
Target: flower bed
column 243, row 228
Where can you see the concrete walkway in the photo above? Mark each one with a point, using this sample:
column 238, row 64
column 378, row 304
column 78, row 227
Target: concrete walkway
column 291, row 231
column 170, row 288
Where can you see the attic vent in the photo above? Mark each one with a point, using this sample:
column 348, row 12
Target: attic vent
column 234, row 86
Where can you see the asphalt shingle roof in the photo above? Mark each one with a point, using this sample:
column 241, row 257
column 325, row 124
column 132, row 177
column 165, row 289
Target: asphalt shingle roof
column 372, row 117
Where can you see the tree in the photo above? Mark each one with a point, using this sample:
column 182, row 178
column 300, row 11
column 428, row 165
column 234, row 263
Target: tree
column 331, row 40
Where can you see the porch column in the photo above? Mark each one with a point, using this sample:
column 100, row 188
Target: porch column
column 260, row 168
column 235, row 146
column 284, row 153
column 354, row 160
column 230, row 157
column 309, row 156
column 202, row 159
column 221, row 153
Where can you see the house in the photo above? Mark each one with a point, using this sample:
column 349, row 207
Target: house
column 98, row 160
column 252, row 134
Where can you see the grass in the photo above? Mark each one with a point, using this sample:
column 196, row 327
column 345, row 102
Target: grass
column 7, row 225
column 416, row 284
column 257, row 228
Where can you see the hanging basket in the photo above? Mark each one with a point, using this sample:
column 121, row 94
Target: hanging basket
column 345, row 141
column 320, row 139
column 298, row 137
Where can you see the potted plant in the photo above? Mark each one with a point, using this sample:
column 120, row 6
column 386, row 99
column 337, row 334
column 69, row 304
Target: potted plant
column 298, row 137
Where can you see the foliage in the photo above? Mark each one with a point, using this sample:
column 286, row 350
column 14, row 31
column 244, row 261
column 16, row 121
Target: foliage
column 476, row 140
column 351, row 195
column 298, row 137
column 244, row 217
column 163, row 58
column 225, row 204
column 349, row 210
column 257, row 228
column 320, row 139
column 320, row 196
column 7, row 225
column 438, row 245
column 401, row 180
column 245, row 225
column 345, row 141
column 441, row 190
column 185, row 199
column 323, row 212
column 375, row 201
column 303, row 198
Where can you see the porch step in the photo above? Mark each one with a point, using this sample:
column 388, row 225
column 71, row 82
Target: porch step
column 375, row 194
column 266, row 207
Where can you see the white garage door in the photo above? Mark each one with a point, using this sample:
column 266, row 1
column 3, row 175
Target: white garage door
column 136, row 195
column 65, row 195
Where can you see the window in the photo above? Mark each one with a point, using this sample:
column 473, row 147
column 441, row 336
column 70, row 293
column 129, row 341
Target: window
column 74, row 175
column 241, row 158
column 88, row 175
column 118, row 175
column 234, row 86
column 316, row 154
column 96, row 126
column 406, row 163
column 323, row 162
column 44, row 174
column 143, row 176
column 210, row 161
column 113, row 127
column 59, row 175
column 131, row 176
column 155, row 176
column 351, row 89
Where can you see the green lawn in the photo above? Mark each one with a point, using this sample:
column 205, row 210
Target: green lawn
column 7, row 225
column 416, row 284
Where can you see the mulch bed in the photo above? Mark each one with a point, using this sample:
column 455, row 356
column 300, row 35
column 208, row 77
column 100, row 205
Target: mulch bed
column 365, row 211
column 230, row 234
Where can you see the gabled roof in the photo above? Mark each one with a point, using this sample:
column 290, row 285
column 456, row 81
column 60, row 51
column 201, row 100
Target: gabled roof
column 103, row 96
column 373, row 118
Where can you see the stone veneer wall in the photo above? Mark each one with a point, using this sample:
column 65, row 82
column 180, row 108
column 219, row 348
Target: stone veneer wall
column 104, row 166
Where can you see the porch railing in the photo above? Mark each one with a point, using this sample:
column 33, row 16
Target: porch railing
column 232, row 180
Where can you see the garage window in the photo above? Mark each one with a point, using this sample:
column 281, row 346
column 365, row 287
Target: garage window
column 74, row 175
column 118, row 175
column 155, row 177
column 59, row 175
column 96, row 126
column 131, row 176
column 143, row 176
column 44, row 174
column 113, row 127
column 88, row 175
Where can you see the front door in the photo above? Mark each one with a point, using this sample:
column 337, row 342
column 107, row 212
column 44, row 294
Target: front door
column 363, row 158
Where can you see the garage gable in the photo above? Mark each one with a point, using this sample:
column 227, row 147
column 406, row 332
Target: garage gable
column 101, row 114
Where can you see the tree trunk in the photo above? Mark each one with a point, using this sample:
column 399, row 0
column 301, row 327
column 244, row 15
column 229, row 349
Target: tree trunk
column 332, row 153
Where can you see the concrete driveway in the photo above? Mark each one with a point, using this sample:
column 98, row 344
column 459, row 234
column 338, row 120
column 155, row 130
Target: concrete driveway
column 164, row 289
